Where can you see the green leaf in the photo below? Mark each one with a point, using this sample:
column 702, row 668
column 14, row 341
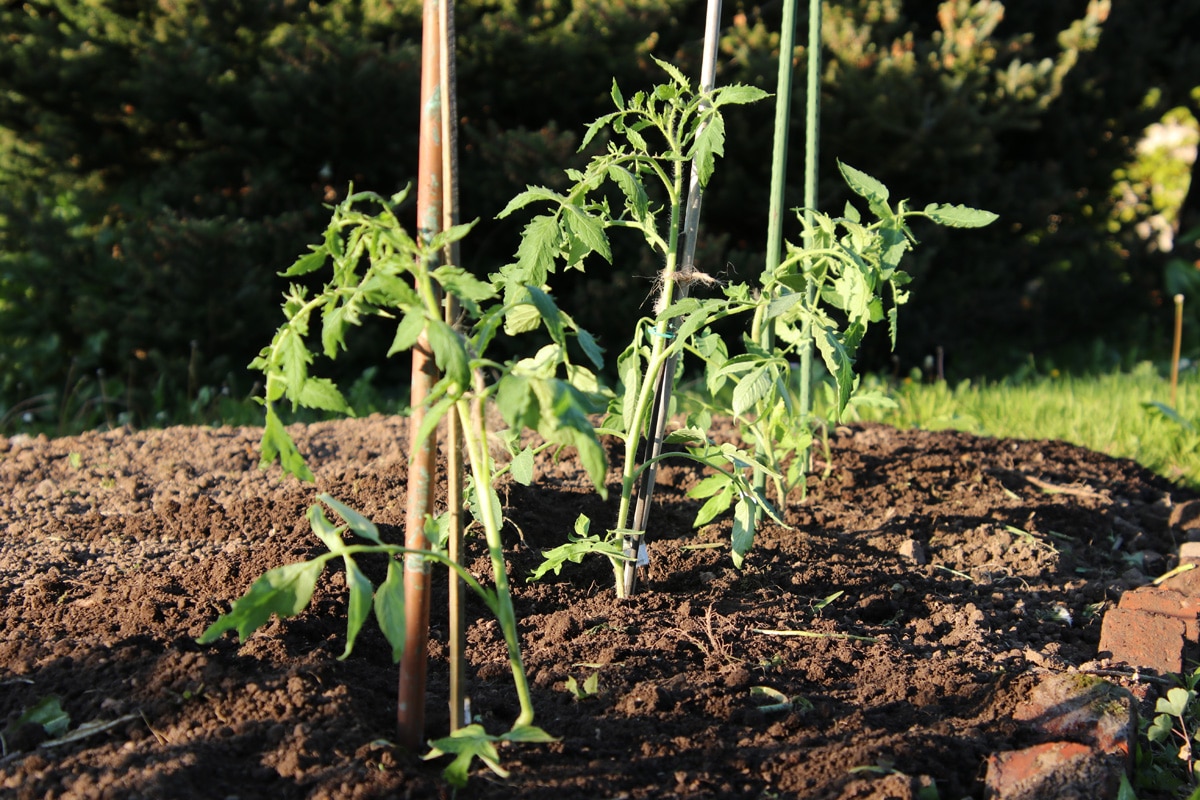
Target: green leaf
column 521, row 467
column 359, row 607
column 539, row 245
column 636, row 200
column 360, row 525
column 589, row 230
column 307, row 263
column 617, row 99
column 737, row 94
column 449, row 353
column 578, row 545
column 960, row 216
column 46, row 712
column 323, row 394
column 673, row 71
column 749, row 390
column 710, row 143
column 294, row 359
column 466, row 744
column 389, row 608
column 709, row 486
column 716, row 505
column 593, row 351
column 1176, row 702
column 743, row 531
column 459, row 282
column 532, row 194
column 285, row 591
column 276, row 443
column 864, row 185
column 407, row 332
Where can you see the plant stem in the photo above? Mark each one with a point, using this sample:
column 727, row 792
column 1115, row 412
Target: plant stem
column 471, row 415
column 664, row 380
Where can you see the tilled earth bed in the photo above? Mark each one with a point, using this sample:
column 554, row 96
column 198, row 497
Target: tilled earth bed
column 933, row 577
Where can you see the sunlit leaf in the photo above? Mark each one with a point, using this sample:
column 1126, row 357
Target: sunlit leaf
column 389, row 608
column 285, row 591
column 958, row 216
column 359, row 607
column 743, row 531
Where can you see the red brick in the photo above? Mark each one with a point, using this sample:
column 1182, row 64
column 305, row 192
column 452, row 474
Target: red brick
column 1059, row 770
column 1169, row 602
column 1084, row 709
column 1143, row 639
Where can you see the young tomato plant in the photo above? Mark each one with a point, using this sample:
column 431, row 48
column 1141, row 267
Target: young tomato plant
column 825, row 294
column 379, row 270
column 639, row 184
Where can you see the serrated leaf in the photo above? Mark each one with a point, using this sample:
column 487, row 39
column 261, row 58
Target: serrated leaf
column 863, row 184
column 737, row 94
column 959, row 216
column 710, row 143
column 389, row 608
column 532, row 194
column 310, row 262
column 539, row 245
column 636, row 200
column 673, row 71
column 294, row 359
column 284, row 591
column 359, row 607
column 323, row 394
column 589, row 230
column 617, row 99
column 457, row 281
column 750, row 389
column 838, row 361
column 743, row 531
column 276, row 443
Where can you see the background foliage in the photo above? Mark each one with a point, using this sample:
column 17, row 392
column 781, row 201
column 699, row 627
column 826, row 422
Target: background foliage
column 161, row 161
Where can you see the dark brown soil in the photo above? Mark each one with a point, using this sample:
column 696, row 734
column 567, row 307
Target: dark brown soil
column 119, row 548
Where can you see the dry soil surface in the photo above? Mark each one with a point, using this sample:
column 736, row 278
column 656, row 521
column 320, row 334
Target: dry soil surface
column 935, row 577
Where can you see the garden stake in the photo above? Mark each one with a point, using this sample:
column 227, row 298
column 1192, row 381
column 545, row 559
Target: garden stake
column 410, row 705
column 634, row 543
column 763, row 332
column 812, row 127
column 459, row 714
column 1175, row 349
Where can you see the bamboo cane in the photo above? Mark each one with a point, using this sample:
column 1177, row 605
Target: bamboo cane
column 410, row 705
column 459, row 708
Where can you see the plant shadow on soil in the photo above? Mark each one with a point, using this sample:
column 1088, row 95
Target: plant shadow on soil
column 935, row 577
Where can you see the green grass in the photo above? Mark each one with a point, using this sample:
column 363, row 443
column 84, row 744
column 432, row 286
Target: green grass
column 1111, row 414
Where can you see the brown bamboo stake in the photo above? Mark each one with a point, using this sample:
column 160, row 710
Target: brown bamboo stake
column 410, row 703
column 1176, row 350
column 459, row 708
